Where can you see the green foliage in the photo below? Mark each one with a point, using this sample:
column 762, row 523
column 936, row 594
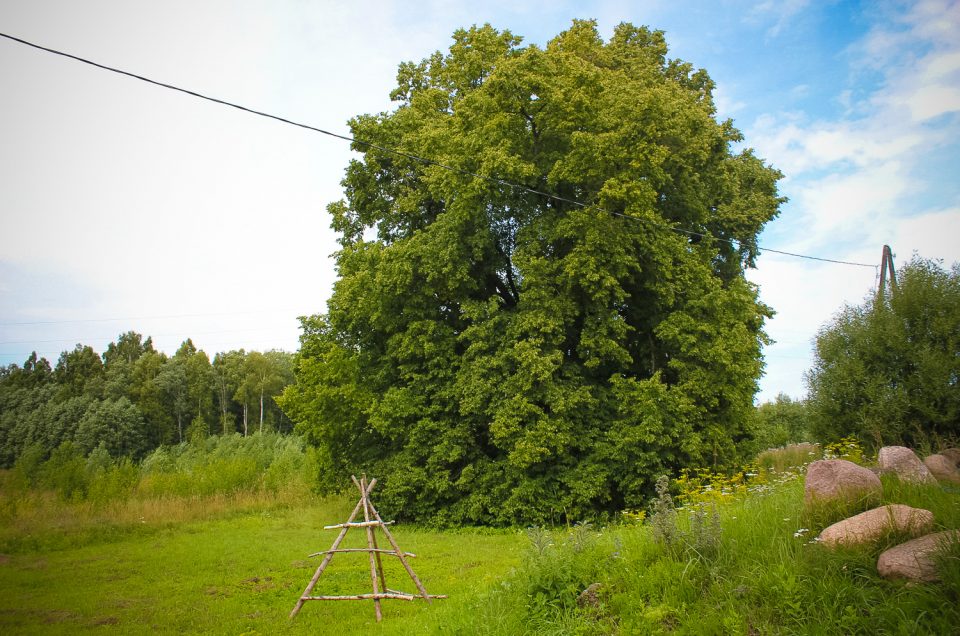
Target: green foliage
column 778, row 423
column 198, row 431
column 117, row 425
column 229, row 464
column 65, row 472
column 27, row 468
column 494, row 355
column 847, row 448
column 206, row 466
column 135, row 400
column 700, row 538
column 79, row 372
column 887, row 371
column 227, row 377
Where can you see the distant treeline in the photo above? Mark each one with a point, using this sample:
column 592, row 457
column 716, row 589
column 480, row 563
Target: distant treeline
column 132, row 399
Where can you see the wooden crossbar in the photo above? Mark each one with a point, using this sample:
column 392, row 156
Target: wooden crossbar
column 363, row 597
column 358, row 524
column 406, row 554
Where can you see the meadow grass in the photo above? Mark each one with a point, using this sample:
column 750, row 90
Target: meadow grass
column 738, row 557
column 765, row 576
column 234, row 573
column 790, row 456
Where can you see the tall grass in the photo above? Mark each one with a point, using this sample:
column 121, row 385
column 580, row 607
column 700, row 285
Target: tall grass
column 758, row 571
column 70, row 498
column 788, row 457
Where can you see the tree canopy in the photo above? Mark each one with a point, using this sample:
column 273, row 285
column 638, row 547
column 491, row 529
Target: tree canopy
column 495, row 353
column 134, row 399
column 888, row 370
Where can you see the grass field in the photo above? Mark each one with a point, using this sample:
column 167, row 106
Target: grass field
column 237, row 564
column 240, row 572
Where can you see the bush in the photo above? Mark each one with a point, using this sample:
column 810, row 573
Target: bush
column 887, row 371
column 66, row 472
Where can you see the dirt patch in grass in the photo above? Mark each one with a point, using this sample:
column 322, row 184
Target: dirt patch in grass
column 259, row 584
column 105, row 620
column 52, row 617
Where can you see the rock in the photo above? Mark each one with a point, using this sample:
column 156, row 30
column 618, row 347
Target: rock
column 837, row 479
column 590, row 597
column 871, row 525
column 952, row 454
column 905, row 464
column 943, row 468
column 916, row 559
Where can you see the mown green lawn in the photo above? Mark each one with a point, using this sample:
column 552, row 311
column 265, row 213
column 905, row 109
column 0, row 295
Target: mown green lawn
column 241, row 575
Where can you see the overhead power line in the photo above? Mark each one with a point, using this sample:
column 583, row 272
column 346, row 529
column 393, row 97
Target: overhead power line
column 417, row 158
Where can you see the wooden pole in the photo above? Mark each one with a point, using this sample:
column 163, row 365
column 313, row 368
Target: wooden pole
column 893, row 271
column 376, row 549
column 886, row 266
column 326, row 559
column 373, row 562
column 376, row 552
column 399, row 553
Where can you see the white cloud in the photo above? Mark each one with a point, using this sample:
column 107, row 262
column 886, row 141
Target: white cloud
column 780, row 12
column 727, row 106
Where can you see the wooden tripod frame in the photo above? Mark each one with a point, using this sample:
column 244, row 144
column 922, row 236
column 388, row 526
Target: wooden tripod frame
column 371, row 520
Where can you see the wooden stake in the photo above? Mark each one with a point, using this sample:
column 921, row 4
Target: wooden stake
column 399, row 553
column 373, row 562
column 376, row 549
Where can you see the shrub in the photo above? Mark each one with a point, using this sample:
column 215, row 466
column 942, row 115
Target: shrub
column 886, row 370
column 65, row 472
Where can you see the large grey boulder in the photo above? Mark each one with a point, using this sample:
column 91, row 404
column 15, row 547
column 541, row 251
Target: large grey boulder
column 952, row 454
column 916, row 560
column 871, row 525
column 905, row 464
column 943, row 468
column 838, row 480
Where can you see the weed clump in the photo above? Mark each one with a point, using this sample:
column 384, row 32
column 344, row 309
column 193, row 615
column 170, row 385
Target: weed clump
column 701, row 536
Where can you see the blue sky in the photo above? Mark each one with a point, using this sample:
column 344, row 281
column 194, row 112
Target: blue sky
column 128, row 207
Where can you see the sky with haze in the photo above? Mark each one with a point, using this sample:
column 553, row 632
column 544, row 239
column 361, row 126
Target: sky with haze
column 124, row 206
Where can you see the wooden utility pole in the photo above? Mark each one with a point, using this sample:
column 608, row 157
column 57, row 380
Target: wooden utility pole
column 887, row 265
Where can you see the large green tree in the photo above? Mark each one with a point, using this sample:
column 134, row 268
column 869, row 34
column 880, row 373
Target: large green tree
column 495, row 354
column 888, row 370
column 117, row 425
